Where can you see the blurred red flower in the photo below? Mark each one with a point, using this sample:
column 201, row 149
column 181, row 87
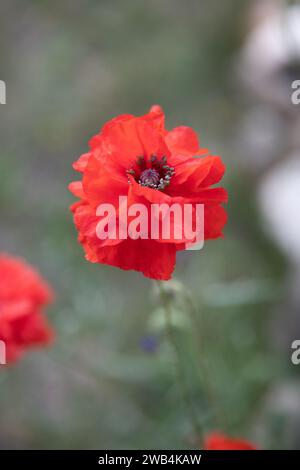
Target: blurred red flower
column 218, row 441
column 138, row 158
column 23, row 293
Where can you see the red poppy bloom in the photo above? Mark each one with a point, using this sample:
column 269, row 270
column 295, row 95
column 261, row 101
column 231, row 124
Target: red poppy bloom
column 138, row 158
column 23, row 293
column 218, row 441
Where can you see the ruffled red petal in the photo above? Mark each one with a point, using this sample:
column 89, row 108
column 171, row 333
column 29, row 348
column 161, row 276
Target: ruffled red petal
column 82, row 162
column 184, row 140
column 194, row 174
column 154, row 260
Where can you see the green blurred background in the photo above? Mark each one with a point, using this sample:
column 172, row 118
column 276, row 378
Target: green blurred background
column 108, row 381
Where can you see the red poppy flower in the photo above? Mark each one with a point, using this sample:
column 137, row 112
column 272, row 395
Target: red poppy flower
column 23, row 293
column 218, row 441
column 138, row 158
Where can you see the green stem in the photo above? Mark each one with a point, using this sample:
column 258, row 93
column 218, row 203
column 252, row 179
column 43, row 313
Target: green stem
column 180, row 372
column 205, row 375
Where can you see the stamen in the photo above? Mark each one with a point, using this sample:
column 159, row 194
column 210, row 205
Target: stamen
column 158, row 176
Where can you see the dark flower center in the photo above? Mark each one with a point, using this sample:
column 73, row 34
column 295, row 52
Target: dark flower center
column 149, row 178
column 154, row 173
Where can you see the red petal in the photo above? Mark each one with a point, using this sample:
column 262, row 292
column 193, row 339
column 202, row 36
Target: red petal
column 218, row 441
column 133, row 138
column 196, row 174
column 154, row 260
column 102, row 185
column 82, row 162
column 157, row 117
column 184, row 140
column 215, row 218
column 76, row 188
